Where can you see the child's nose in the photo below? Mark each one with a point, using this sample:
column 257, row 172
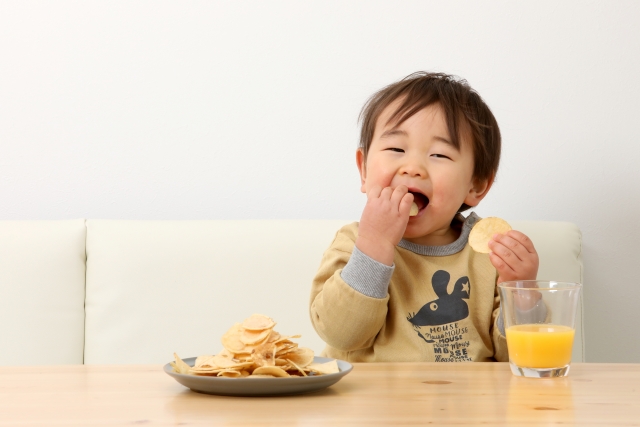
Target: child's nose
column 413, row 168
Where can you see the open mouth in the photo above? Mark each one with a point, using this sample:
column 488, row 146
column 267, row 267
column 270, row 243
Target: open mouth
column 420, row 199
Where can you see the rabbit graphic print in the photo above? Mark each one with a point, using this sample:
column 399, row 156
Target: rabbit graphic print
column 440, row 319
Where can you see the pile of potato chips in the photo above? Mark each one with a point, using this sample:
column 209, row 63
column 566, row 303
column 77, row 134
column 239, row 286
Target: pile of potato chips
column 253, row 349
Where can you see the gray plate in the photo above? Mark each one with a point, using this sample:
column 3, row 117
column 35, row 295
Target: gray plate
column 259, row 386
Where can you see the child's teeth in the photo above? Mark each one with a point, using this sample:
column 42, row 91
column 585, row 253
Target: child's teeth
column 414, row 209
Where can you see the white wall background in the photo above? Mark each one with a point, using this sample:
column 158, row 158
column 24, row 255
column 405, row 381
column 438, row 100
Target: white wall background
column 248, row 109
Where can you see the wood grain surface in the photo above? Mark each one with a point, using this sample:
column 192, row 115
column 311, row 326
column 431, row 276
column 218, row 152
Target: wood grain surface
column 384, row 394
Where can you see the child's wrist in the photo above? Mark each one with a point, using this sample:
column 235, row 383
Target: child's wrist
column 379, row 250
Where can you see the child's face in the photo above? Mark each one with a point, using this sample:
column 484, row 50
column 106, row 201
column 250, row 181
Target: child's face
column 417, row 154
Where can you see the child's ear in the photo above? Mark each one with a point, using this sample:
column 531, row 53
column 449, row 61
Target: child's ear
column 479, row 189
column 362, row 168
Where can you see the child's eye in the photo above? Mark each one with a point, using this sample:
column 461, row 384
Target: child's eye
column 397, row 150
column 441, row 156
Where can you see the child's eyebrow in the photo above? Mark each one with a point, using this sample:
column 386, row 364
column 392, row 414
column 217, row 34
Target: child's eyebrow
column 445, row 140
column 395, row 131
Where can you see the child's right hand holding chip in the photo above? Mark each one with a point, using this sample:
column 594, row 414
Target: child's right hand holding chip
column 383, row 222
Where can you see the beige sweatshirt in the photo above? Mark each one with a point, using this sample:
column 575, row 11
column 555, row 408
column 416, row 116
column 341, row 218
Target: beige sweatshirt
column 435, row 304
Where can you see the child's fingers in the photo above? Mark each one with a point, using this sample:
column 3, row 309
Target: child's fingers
column 374, row 192
column 405, row 204
column 386, row 193
column 520, row 262
column 505, row 243
column 504, row 269
column 523, row 239
column 505, row 253
column 398, row 194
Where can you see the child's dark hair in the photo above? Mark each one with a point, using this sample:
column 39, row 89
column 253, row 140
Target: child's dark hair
column 465, row 113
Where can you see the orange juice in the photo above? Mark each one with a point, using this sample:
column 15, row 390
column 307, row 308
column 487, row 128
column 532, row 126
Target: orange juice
column 540, row 346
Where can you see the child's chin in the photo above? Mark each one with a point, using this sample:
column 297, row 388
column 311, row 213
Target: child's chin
column 412, row 232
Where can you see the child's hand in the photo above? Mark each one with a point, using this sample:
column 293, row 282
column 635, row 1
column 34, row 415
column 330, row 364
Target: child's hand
column 515, row 258
column 383, row 222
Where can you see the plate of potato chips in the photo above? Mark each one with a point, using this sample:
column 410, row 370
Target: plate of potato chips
column 256, row 360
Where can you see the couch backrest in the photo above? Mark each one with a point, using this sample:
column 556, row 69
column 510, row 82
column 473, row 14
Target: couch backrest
column 42, row 271
column 158, row 287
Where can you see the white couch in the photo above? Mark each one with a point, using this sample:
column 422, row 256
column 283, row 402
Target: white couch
column 103, row 291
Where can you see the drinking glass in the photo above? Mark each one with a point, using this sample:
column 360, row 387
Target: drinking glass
column 539, row 320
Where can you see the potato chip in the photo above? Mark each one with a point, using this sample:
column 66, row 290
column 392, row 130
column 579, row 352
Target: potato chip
column 304, row 374
column 275, row 336
column 325, row 368
column 179, row 365
column 229, row 373
column 271, row 370
column 224, row 359
column 258, row 322
column 483, row 230
column 265, row 355
column 414, row 209
column 243, row 357
column 205, row 362
column 285, row 348
column 285, row 339
column 254, row 337
column 301, row 356
column 231, row 339
column 211, row 373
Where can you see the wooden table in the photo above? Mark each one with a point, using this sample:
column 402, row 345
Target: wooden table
column 372, row 394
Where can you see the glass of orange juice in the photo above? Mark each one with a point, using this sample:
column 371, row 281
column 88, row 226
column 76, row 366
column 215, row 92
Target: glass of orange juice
column 539, row 321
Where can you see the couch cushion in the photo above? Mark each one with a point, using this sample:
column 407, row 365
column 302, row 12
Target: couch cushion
column 158, row 287
column 42, row 272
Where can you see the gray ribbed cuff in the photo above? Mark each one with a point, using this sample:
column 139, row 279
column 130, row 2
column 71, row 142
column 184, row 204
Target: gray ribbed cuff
column 366, row 275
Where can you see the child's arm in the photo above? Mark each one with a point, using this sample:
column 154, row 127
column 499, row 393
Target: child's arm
column 345, row 318
column 498, row 338
column 350, row 292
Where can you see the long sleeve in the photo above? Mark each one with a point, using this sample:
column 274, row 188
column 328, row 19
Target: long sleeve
column 498, row 338
column 345, row 318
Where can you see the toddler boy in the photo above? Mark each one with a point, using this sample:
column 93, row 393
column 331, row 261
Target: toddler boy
column 396, row 287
